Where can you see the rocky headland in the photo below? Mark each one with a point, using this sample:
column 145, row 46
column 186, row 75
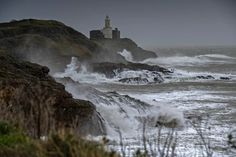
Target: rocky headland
column 32, row 97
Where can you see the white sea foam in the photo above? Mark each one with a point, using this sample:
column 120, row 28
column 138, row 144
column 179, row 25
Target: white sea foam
column 123, row 113
column 218, row 56
column 184, row 75
column 190, row 60
column 78, row 72
column 119, row 112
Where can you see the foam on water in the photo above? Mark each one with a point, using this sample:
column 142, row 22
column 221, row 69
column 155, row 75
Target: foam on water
column 191, row 60
column 184, row 75
column 123, row 113
column 217, row 56
column 78, row 72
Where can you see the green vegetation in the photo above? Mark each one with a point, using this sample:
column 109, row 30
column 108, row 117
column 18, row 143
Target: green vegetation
column 14, row 143
column 10, row 136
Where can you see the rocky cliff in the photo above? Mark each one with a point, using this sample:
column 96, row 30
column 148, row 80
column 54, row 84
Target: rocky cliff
column 51, row 43
column 32, row 98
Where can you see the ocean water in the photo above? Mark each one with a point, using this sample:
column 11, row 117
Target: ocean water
column 182, row 96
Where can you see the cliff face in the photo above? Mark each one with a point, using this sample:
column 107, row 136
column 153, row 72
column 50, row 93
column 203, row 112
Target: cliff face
column 29, row 96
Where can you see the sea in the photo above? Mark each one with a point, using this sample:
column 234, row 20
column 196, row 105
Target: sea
column 199, row 96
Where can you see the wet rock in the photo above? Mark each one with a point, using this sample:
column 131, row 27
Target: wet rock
column 134, row 80
column 110, row 69
column 158, row 79
column 224, row 78
column 205, row 77
column 232, row 139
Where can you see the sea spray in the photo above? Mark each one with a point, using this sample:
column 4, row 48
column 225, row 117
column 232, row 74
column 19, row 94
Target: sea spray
column 119, row 112
column 78, row 72
column 127, row 55
column 179, row 60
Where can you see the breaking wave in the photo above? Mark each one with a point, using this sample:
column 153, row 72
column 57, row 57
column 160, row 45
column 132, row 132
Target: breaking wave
column 127, row 55
column 191, row 60
column 184, row 75
column 79, row 73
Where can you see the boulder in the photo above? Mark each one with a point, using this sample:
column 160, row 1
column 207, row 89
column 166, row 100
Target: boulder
column 110, row 69
column 205, row 77
column 232, row 138
column 134, row 80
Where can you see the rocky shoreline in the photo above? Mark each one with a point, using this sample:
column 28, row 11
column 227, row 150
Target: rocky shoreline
column 33, row 98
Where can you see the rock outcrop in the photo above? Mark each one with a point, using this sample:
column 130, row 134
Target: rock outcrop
column 110, row 69
column 29, row 96
column 34, row 40
column 232, row 139
column 118, row 45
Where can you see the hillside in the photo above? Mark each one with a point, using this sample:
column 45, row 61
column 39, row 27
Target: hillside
column 51, row 43
column 35, row 40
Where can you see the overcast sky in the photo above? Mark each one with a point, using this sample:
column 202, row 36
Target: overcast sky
column 151, row 23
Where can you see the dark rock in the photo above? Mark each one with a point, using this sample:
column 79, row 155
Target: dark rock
column 114, row 46
column 136, row 80
column 109, row 69
column 232, row 139
column 29, row 96
column 205, row 77
column 158, row 79
column 224, row 78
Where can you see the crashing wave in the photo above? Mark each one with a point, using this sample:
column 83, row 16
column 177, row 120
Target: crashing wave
column 184, row 75
column 190, row 60
column 79, row 73
column 122, row 112
column 127, row 55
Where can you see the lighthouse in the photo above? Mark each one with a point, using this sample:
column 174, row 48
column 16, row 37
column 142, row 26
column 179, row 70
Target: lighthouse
column 107, row 30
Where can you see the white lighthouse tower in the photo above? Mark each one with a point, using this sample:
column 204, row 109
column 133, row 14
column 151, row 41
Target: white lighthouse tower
column 107, row 30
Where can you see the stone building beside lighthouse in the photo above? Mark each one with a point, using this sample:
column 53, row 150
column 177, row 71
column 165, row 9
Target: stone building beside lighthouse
column 106, row 32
